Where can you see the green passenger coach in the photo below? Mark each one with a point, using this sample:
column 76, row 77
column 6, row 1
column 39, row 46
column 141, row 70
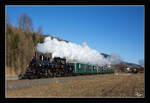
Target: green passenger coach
column 80, row 68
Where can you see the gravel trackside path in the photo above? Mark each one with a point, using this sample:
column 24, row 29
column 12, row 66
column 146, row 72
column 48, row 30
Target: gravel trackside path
column 18, row 84
column 12, row 78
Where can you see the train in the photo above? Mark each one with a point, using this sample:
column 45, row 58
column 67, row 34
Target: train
column 42, row 66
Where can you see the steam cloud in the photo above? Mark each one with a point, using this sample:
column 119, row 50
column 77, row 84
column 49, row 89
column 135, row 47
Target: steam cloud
column 74, row 52
column 141, row 62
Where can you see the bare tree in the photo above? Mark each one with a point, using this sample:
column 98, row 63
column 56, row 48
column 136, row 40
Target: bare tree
column 7, row 20
column 25, row 23
column 39, row 30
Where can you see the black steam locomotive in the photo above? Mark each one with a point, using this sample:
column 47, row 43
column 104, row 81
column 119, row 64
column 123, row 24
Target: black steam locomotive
column 45, row 67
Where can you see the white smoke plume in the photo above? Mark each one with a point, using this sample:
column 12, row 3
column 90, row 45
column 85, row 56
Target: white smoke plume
column 141, row 62
column 114, row 59
column 74, row 52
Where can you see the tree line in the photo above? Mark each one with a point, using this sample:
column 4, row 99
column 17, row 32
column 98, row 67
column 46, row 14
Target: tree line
column 20, row 43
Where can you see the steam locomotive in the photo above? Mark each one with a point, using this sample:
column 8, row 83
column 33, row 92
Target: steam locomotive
column 44, row 67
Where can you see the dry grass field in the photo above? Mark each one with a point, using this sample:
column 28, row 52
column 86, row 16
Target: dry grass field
column 108, row 85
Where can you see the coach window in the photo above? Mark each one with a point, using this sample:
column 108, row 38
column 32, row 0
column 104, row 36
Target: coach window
column 79, row 65
column 85, row 66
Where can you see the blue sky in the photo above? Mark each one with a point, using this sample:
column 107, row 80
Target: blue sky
column 108, row 29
